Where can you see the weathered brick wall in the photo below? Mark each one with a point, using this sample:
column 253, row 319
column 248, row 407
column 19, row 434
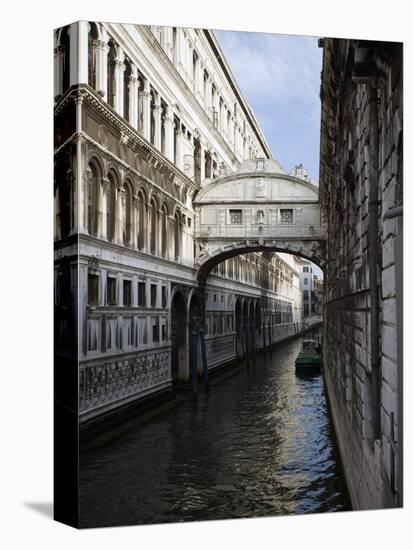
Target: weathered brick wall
column 361, row 148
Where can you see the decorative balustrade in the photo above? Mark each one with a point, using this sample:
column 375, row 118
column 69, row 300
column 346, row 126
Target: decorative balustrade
column 105, row 383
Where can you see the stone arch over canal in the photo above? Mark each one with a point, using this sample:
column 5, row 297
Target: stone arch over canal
column 255, row 209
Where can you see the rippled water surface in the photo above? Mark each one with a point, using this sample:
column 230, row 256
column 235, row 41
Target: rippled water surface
column 258, row 444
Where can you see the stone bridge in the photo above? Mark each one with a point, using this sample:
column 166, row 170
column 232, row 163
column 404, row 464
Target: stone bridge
column 257, row 208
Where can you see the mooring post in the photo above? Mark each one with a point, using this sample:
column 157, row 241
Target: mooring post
column 263, row 336
column 194, row 342
column 204, row 356
column 269, row 334
column 252, row 332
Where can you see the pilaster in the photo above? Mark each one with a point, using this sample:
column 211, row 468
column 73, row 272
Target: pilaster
column 119, row 70
column 133, row 98
column 58, row 71
column 158, row 122
column 169, row 133
column 103, row 207
column 145, row 110
column 100, row 53
column 119, row 217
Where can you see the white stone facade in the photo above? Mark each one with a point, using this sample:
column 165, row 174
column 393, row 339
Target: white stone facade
column 145, row 116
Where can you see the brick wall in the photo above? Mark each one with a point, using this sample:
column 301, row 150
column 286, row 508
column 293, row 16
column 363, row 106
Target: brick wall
column 360, row 175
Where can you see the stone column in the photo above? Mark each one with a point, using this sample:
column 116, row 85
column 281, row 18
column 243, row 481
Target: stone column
column 179, row 50
column 79, row 53
column 208, row 96
column 119, row 70
column 202, row 161
column 159, row 235
column 100, row 52
column 168, row 46
column 133, row 98
column 171, row 239
column 158, row 122
column 134, row 221
column 231, row 133
column 189, row 62
column 200, row 73
column 119, row 210
column 78, row 195
column 222, row 118
column 102, row 220
column 179, row 151
column 145, row 110
column 148, row 228
column 168, row 121
column 58, row 71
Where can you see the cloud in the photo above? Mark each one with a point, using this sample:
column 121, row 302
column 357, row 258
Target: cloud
column 273, row 66
column 279, row 76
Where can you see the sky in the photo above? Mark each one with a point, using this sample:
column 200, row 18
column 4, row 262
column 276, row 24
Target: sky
column 279, row 76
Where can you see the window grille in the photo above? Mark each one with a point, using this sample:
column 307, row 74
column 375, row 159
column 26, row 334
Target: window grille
column 235, row 217
column 286, row 216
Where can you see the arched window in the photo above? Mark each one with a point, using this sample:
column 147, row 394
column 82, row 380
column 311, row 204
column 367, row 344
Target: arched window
column 177, row 236
column 164, row 231
column 153, row 226
column 141, row 222
column 111, row 73
column 92, row 199
column 111, row 206
column 127, row 231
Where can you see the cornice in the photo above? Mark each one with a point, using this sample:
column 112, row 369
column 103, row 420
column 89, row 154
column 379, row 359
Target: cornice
column 128, row 134
column 130, row 169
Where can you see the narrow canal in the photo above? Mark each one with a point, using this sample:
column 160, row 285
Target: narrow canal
column 258, row 444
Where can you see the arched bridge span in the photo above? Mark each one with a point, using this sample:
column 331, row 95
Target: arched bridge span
column 257, row 208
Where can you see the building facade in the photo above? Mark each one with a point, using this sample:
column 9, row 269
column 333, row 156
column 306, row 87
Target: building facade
column 361, row 194
column 144, row 117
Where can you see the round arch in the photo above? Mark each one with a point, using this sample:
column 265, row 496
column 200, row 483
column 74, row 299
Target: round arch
column 308, row 250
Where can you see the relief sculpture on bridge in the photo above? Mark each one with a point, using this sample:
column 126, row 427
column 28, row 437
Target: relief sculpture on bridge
column 228, row 222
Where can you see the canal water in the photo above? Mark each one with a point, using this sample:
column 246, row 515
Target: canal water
column 258, row 444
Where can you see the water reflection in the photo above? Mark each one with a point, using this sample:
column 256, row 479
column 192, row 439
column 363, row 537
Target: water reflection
column 259, row 443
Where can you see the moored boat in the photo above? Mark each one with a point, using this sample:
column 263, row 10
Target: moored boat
column 309, row 359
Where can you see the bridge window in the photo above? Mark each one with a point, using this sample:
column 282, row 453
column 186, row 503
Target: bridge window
column 235, row 217
column 286, row 215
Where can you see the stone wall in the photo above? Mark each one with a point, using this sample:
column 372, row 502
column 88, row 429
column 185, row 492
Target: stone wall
column 361, row 196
